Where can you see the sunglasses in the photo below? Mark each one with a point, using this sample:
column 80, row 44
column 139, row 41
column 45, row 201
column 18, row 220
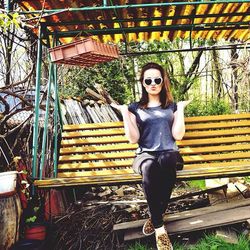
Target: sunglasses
column 149, row 81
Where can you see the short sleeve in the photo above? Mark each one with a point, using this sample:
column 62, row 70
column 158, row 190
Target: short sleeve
column 173, row 106
column 132, row 107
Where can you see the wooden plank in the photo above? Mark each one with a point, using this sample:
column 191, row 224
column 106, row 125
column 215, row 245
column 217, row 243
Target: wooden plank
column 216, row 219
column 96, row 165
column 93, row 126
column 96, row 173
column 128, row 163
column 214, row 133
column 216, row 141
column 216, row 157
column 100, row 140
column 129, row 146
column 217, row 125
column 120, row 131
column 93, row 133
column 131, row 154
column 91, row 149
column 123, row 139
column 171, row 217
column 103, row 156
column 97, row 180
column 217, row 117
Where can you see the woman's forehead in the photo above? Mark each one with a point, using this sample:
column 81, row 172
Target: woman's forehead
column 152, row 73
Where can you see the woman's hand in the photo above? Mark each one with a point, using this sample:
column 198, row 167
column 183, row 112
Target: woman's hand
column 122, row 108
column 182, row 104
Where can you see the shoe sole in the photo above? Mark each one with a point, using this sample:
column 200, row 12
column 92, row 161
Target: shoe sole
column 146, row 234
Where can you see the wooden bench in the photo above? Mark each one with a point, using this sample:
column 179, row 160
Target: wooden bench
column 99, row 154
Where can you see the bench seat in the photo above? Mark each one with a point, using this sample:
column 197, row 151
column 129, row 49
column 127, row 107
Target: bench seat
column 99, row 153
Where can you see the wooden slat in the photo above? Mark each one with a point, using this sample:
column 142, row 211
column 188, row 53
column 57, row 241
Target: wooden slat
column 93, row 126
column 97, row 165
column 217, row 118
column 214, row 149
column 104, row 156
column 60, row 182
column 92, row 133
column 214, row 133
column 124, row 155
column 215, row 141
column 216, row 157
column 201, row 166
column 122, row 139
column 96, row 173
column 106, row 148
column 99, row 140
column 217, row 125
column 110, row 132
column 129, row 146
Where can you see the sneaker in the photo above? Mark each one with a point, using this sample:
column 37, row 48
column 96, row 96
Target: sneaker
column 163, row 242
column 148, row 228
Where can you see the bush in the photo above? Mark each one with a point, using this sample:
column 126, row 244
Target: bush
column 212, row 107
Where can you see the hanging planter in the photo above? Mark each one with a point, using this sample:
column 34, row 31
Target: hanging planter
column 86, row 52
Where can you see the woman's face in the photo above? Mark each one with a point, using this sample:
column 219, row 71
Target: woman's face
column 152, row 81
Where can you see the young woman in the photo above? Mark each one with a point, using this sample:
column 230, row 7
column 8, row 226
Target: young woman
column 155, row 123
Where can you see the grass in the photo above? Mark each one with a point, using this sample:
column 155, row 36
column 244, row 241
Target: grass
column 198, row 184
column 208, row 242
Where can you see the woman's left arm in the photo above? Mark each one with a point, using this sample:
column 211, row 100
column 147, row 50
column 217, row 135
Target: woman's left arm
column 178, row 128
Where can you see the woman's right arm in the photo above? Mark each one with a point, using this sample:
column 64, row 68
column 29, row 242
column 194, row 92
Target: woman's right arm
column 130, row 126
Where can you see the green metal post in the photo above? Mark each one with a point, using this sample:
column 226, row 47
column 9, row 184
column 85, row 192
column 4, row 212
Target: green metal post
column 55, row 121
column 127, row 6
column 37, row 100
column 8, row 5
column 46, row 123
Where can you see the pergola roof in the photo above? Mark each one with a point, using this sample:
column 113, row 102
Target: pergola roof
column 116, row 20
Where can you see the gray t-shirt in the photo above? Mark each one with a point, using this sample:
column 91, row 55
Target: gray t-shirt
column 155, row 126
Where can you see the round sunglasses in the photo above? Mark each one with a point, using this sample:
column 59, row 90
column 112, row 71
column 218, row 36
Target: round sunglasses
column 149, row 81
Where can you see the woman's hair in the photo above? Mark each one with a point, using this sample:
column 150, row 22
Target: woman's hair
column 165, row 95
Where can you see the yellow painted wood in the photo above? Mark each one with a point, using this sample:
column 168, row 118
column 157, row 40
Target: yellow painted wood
column 197, row 167
column 96, row 173
column 97, row 165
column 128, row 146
column 63, row 182
column 106, row 148
column 93, row 133
column 214, row 133
column 217, row 125
column 103, row 156
column 100, row 140
column 214, row 149
column 93, row 126
column 216, row 141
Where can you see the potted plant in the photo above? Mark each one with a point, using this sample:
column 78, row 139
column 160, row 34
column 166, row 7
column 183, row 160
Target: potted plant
column 35, row 227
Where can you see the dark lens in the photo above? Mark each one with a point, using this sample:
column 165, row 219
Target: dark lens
column 158, row 80
column 148, row 81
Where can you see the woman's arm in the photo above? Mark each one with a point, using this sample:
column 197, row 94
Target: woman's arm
column 178, row 128
column 129, row 120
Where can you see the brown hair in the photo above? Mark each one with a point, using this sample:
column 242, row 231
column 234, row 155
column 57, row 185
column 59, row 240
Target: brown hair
column 165, row 95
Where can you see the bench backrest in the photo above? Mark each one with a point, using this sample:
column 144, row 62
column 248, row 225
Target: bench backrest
column 213, row 146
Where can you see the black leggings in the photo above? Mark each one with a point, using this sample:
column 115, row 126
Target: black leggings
column 158, row 170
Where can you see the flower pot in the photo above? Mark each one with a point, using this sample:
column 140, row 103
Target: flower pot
column 10, row 215
column 85, row 52
column 8, row 181
column 35, row 232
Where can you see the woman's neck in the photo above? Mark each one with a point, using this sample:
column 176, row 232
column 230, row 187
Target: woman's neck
column 153, row 100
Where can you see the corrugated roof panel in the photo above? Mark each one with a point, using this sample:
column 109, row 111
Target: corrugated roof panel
column 148, row 21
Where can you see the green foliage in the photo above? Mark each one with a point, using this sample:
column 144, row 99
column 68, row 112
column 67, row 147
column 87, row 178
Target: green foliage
column 212, row 242
column 115, row 76
column 200, row 184
column 138, row 246
column 212, row 107
column 6, row 20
